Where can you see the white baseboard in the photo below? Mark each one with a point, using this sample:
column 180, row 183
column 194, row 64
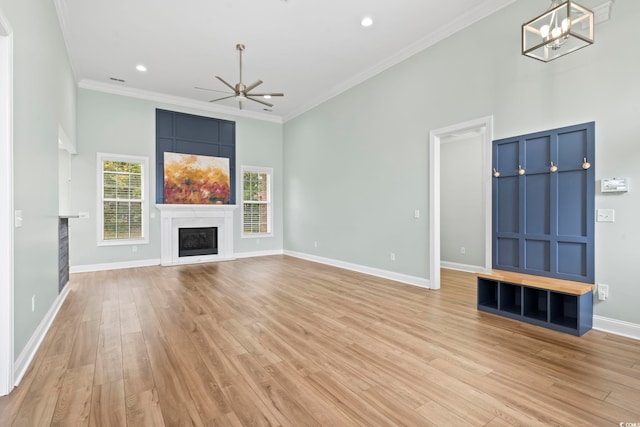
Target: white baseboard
column 113, row 265
column 30, row 349
column 617, row 327
column 398, row 277
column 461, row 267
column 254, row 254
column 151, row 262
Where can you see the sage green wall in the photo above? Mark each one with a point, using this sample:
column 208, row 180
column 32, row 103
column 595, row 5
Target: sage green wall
column 356, row 166
column 462, row 201
column 122, row 125
column 44, row 97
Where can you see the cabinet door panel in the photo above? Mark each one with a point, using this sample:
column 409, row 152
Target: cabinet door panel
column 572, row 259
column 572, row 148
column 537, row 152
column 507, row 253
column 537, row 199
column 537, row 255
column 507, row 157
column 572, row 199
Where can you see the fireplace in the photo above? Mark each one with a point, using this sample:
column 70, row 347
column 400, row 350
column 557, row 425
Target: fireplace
column 195, row 241
column 195, row 246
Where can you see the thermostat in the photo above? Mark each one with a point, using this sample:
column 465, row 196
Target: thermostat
column 611, row 185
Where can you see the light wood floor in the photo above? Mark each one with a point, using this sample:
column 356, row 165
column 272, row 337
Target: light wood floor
column 278, row 341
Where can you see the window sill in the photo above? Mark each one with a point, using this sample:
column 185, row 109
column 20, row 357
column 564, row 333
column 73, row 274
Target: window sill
column 256, row 235
column 123, row 242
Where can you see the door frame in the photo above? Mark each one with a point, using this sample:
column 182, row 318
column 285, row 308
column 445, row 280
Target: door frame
column 435, row 141
column 6, row 209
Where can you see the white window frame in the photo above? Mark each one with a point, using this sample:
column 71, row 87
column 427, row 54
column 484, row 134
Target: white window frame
column 269, row 202
column 101, row 157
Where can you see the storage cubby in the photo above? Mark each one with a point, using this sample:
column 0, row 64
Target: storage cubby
column 561, row 305
column 510, row 298
column 564, row 310
column 488, row 293
column 536, row 304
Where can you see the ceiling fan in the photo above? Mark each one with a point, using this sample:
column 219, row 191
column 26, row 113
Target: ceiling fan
column 242, row 92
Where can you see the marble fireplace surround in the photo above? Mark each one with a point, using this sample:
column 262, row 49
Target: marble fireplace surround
column 173, row 217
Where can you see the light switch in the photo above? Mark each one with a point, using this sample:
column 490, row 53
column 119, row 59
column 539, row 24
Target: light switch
column 18, row 219
column 416, row 213
column 606, row 215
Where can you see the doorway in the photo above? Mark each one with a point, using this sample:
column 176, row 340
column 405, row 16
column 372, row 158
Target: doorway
column 6, row 206
column 484, row 128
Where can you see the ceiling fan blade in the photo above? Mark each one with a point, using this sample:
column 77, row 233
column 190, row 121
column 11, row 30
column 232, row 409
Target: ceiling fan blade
column 253, row 86
column 227, row 84
column 206, row 88
column 260, row 102
column 265, row 94
column 225, row 97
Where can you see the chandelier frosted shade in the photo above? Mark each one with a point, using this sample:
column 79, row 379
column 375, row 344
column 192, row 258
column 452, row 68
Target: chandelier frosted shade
column 562, row 29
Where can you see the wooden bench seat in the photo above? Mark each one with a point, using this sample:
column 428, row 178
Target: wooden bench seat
column 550, row 283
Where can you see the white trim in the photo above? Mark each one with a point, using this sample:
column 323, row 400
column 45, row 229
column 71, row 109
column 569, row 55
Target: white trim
column 435, row 137
column 174, row 100
column 101, row 157
column 88, row 268
column 391, row 275
column 26, row 356
column 61, row 8
column 256, row 254
column 176, row 216
column 462, row 267
column 473, row 15
column 6, row 207
column 269, row 172
column 617, row 327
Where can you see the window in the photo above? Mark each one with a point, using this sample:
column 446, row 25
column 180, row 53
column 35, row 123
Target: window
column 256, row 201
column 122, row 201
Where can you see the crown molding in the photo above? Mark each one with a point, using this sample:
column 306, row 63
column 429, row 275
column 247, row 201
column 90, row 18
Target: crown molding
column 61, row 8
column 174, row 100
column 470, row 17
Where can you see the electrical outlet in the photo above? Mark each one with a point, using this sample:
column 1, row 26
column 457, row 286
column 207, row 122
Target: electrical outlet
column 603, row 292
column 134, row 249
column 416, row 213
column 463, row 250
column 392, row 256
column 33, row 303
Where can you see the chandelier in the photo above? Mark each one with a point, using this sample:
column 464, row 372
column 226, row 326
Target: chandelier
column 562, row 29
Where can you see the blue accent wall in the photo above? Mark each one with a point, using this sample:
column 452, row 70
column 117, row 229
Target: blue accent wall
column 189, row 134
column 543, row 221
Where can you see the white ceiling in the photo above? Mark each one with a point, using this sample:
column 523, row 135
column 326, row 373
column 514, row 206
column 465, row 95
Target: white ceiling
column 310, row 50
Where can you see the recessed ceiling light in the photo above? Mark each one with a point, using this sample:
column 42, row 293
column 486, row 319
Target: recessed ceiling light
column 366, row 22
column 141, row 68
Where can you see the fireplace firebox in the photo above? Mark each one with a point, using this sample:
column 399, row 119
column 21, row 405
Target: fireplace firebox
column 195, row 241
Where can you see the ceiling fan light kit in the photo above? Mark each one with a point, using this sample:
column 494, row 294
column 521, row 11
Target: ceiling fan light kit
column 242, row 92
column 564, row 28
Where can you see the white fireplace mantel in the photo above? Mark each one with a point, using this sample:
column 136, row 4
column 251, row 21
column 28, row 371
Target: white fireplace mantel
column 172, row 217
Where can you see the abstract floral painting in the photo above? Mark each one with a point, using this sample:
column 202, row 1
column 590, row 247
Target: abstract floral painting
column 191, row 179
